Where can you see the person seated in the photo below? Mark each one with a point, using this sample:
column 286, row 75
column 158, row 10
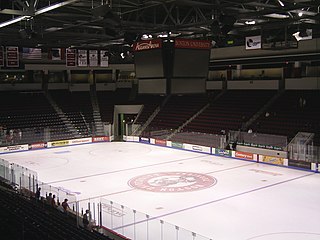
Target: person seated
column 65, row 205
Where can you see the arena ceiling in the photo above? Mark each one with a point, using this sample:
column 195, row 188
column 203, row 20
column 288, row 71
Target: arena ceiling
column 117, row 23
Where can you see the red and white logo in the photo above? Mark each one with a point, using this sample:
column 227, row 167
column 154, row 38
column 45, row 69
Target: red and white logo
column 147, row 45
column 172, row 182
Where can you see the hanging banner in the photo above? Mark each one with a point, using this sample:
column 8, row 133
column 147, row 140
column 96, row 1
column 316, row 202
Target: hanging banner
column 55, row 54
column 93, row 58
column 104, row 58
column 82, row 58
column 32, row 53
column 1, row 57
column 253, row 42
column 12, row 56
column 71, row 57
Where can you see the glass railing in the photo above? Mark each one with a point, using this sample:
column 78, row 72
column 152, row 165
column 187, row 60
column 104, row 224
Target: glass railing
column 130, row 223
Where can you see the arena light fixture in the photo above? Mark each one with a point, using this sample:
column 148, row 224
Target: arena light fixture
column 38, row 12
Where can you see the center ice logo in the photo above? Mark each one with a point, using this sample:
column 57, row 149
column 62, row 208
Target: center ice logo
column 172, row 182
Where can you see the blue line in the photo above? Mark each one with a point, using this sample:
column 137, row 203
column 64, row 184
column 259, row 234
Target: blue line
column 217, row 200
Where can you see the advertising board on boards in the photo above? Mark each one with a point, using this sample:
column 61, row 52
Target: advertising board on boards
column 14, row 148
column 144, row 140
column 223, row 152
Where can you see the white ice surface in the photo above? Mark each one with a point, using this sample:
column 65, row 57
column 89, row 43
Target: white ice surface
column 249, row 201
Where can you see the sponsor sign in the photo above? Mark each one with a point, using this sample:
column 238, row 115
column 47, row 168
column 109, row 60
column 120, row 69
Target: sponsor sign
column 272, row 160
column 171, row 182
column 261, row 146
column 37, row 146
column 12, row 56
column 299, row 164
column 177, row 145
column 222, row 152
column 58, row 143
column 80, row 141
column 244, row 155
column 130, row 138
column 253, row 42
column 147, row 45
column 114, row 211
column 144, row 140
column 161, row 142
column 14, row 148
column 193, row 44
column 1, row 57
column 136, row 139
column 71, row 60
column 101, row 139
column 196, row 148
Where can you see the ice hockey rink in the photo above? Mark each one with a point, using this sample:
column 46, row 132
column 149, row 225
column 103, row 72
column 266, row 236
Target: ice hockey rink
column 216, row 197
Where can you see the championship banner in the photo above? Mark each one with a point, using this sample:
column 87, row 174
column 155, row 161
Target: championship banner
column 93, row 58
column 192, row 44
column 253, row 42
column 32, row 53
column 104, row 58
column 1, row 57
column 55, row 54
column 12, row 56
column 71, row 57
column 82, row 58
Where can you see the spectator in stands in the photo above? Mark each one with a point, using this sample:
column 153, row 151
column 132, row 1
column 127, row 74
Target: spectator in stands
column 53, row 201
column 86, row 219
column 49, row 198
column 38, row 194
column 65, row 205
column 60, row 208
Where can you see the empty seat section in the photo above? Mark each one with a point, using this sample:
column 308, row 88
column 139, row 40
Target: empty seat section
column 230, row 111
column 78, row 108
column 295, row 111
column 176, row 111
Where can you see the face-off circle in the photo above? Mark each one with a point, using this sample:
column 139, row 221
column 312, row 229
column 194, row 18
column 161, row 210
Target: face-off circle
column 172, row 182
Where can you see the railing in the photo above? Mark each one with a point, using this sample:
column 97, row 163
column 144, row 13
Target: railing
column 131, row 223
column 259, row 140
column 40, row 135
column 26, row 182
column 204, row 139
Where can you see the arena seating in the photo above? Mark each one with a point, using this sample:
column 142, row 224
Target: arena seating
column 295, row 111
column 230, row 111
column 150, row 103
column 24, row 218
column 30, row 112
column 77, row 106
column 107, row 100
column 177, row 110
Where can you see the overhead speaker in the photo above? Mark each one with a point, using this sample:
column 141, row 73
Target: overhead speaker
column 100, row 11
